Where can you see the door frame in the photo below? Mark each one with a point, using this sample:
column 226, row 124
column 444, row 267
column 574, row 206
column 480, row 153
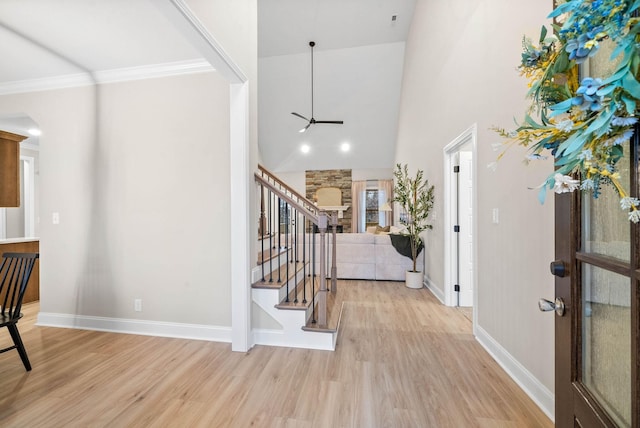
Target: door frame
column 467, row 139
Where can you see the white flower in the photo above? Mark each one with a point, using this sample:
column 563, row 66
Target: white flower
column 565, row 183
column 586, row 155
column 628, row 202
column 565, row 126
column 492, row 166
column 634, row 216
column 536, row 156
column 587, row 184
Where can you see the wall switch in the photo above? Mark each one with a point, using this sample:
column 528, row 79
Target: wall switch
column 137, row 305
column 55, row 218
column 496, row 216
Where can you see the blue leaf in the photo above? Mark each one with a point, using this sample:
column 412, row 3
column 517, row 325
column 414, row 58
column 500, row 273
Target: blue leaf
column 564, row 8
column 629, row 104
column 631, row 85
column 542, row 193
column 617, row 75
column 564, row 106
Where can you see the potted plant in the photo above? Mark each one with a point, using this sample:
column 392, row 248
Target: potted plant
column 415, row 197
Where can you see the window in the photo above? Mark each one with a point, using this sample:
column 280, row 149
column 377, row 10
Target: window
column 371, row 216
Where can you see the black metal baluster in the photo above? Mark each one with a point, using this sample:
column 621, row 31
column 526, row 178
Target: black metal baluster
column 270, row 237
column 262, row 223
column 313, row 281
column 304, row 260
column 287, row 222
column 279, row 238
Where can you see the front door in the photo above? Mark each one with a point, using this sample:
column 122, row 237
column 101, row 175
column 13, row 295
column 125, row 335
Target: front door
column 597, row 272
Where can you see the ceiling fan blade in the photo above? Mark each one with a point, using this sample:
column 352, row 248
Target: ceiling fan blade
column 300, row 116
column 305, row 128
column 337, row 122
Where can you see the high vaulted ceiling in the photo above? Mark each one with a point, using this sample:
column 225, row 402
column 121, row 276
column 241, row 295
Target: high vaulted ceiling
column 358, row 61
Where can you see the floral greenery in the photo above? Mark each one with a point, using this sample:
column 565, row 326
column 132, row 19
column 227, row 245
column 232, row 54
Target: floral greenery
column 415, row 196
column 583, row 124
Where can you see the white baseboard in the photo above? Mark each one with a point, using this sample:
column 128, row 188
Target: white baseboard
column 434, row 290
column 302, row 339
column 540, row 394
column 142, row 327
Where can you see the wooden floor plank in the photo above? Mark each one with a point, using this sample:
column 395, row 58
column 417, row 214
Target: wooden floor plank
column 402, row 360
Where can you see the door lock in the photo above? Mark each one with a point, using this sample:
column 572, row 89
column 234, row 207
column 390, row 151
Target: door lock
column 558, row 268
column 558, row 306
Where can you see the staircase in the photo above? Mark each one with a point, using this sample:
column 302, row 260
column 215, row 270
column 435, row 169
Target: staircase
column 295, row 279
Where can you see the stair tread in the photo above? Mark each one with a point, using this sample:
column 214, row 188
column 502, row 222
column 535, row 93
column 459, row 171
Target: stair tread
column 294, row 268
column 300, row 294
column 271, row 253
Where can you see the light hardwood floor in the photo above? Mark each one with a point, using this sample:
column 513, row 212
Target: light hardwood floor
column 402, row 360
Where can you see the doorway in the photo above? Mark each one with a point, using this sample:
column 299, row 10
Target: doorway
column 460, row 220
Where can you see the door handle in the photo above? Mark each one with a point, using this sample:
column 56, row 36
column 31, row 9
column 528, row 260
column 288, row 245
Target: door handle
column 558, row 306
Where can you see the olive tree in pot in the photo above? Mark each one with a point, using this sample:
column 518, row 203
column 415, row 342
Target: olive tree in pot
column 415, row 197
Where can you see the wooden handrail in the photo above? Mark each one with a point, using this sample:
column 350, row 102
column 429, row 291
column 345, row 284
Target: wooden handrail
column 311, row 214
column 286, row 186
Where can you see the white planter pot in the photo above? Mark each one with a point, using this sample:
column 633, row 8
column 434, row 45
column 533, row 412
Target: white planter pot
column 413, row 279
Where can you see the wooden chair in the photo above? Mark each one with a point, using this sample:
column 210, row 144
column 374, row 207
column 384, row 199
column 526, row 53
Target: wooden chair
column 15, row 271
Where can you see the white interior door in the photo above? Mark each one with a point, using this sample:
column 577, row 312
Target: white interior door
column 465, row 219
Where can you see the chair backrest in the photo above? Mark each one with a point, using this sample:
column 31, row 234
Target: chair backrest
column 15, row 272
column 329, row 197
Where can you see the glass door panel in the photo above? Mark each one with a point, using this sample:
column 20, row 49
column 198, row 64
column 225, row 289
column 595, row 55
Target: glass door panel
column 606, row 340
column 605, row 225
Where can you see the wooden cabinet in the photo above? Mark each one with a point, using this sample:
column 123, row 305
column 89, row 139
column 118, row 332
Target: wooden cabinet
column 33, row 288
column 10, row 169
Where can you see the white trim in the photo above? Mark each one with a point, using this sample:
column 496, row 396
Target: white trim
column 240, row 207
column 131, row 326
column 3, row 223
column 435, row 290
column 196, row 33
column 29, row 177
column 299, row 339
column 107, row 76
column 468, row 136
column 540, row 394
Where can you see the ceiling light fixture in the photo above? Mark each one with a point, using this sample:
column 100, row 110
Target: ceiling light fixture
column 305, row 148
column 345, row 147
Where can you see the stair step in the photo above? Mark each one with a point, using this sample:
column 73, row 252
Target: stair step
column 270, row 254
column 298, row 293
column 271, row 281
column 334, row 316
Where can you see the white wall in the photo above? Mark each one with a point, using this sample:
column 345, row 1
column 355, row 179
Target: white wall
column 141, row 182
column 460, row 69
column 360, row 86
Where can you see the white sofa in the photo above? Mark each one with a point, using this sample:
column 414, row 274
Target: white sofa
column 369, row 256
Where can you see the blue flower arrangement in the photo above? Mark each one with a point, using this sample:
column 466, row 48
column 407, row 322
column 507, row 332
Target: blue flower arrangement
column 583, row 124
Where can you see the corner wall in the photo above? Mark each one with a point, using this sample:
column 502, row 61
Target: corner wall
column 460, row 70
column 140, row 180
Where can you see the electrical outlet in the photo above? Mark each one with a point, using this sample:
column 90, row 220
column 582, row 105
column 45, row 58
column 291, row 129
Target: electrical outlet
column 496, row 216
column 137, row 305
column 55, row 218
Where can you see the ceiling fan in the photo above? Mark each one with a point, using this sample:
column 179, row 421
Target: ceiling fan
column 313, row 121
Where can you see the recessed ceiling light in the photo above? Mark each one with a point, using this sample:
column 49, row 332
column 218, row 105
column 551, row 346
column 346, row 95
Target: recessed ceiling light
column 35, row 132
column 305, row 148
column 345, row 147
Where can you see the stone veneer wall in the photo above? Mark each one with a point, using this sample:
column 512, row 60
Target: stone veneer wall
column 340, row 178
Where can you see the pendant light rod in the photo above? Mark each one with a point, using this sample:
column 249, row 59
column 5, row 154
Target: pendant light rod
column 312, row 44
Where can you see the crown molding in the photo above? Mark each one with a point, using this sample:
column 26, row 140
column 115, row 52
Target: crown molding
column 106, row 76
